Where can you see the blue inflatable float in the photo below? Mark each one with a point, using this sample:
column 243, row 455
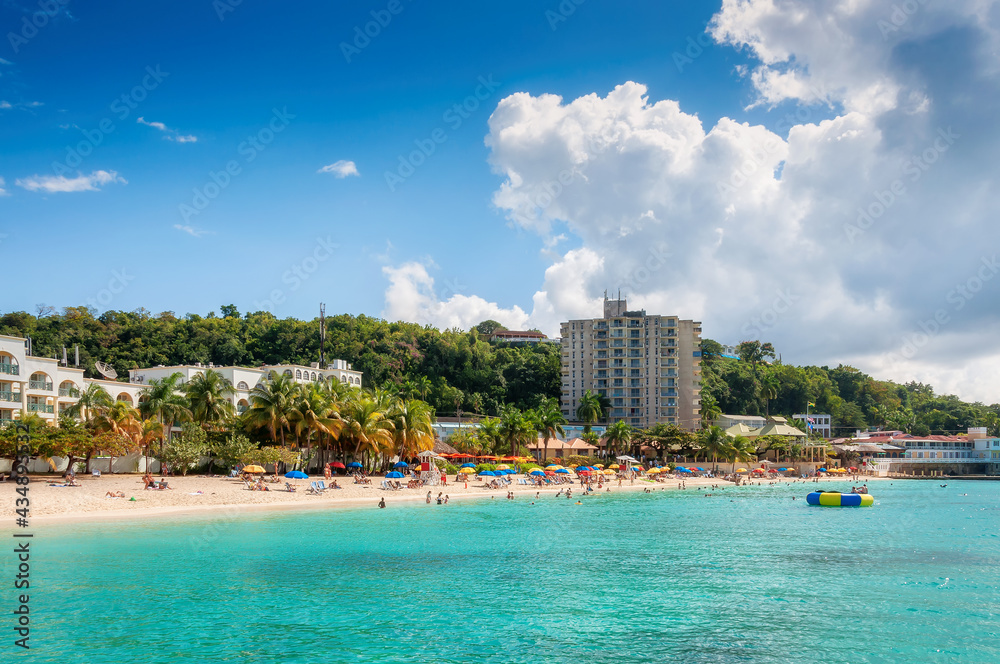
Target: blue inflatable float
column 834, row 499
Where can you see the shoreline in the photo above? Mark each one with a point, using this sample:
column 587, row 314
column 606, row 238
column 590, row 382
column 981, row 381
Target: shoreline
column 87, row 503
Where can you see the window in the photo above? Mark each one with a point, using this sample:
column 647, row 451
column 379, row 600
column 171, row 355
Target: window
column 343, row 379
column 242, row 386
column 298, row 373
column 314, row 375
column 288, row 372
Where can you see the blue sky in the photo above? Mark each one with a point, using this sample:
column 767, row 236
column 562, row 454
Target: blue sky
column 746, row 163
column 222, row 80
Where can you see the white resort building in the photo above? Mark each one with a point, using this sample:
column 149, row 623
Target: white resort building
column 48, row 387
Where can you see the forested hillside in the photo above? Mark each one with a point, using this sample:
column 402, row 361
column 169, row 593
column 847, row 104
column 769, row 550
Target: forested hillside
column 757, row 385
column 450, row 369
column 455, row 369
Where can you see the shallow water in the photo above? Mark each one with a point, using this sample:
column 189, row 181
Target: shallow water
column 746, row 575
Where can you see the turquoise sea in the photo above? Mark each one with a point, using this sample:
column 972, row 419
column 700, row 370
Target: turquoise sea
column 745, row 575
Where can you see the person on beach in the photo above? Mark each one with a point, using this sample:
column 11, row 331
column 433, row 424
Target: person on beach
column 381, row 504
column 446, row 499
column 326, row 472
column 428, row 497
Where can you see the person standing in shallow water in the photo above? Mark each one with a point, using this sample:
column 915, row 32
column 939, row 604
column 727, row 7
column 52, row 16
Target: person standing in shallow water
column 428, row 497
column 381, row 504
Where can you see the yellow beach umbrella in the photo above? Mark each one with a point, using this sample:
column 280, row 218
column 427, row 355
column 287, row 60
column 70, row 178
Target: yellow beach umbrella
column 741, row 470
column 503, row 466
column 615, row 466
column 467, row 471
column 599, row 466
column 653, row 471
column 253, row 469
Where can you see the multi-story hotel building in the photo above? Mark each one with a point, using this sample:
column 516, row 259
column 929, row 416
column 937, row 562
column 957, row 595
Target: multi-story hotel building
column 647, row 365
column 47, row 387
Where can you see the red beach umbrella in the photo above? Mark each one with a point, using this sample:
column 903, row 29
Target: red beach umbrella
column 337, row 464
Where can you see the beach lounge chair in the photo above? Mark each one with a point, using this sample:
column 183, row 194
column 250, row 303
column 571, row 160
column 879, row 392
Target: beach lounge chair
column 321, row 485
column 313, row 488
column 290, row 488
column 386, row 485
column 95, row 473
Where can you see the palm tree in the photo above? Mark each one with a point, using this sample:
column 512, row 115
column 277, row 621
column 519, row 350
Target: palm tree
column 92, row 402
column 423, row 385
column 314, row 412
column 210, row 395
column 515, row 429
column 618, row 436
column 271, row 402
column 589, row 410
column 740, row 449
column 710, row 410
column 121, row 420
column 412, row 430
column 161, row 399
column 549, row 421
column 714, row 442
column 366, row 426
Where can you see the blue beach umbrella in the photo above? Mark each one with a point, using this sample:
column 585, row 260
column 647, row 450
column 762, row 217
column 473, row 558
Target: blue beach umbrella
column 354, row 464
column 821, row 470
column 564, row 471
column 296, row 475
column 700, row 469
column 782, row 470
column 468, row 465
column 393, row 475
column 683, row 470
column 487, row 473
column 401, row 464
column 536, row 471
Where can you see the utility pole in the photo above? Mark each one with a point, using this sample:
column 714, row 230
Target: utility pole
column 322, row 336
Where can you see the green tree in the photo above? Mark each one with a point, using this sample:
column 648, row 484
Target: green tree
column 210, row 395
column 589, row 410
column 271, row 402
column 550, row 423
column 186, row 449
column 618, row 436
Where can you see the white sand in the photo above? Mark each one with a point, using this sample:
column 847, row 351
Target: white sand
column 89, row 502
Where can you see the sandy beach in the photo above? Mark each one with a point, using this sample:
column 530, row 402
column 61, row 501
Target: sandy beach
column 202, row 495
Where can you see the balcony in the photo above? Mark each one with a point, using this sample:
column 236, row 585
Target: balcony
column 68, row 392
column 39, row 408
column 11, row 397
column 39, row 385
column 10, row 369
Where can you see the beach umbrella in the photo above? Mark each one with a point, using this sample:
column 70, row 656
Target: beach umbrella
column 550, row 472
column 536, row 472
column 354, row 464
column 853, row 468
column 487, row 473
column 393, row 475
column 337, row 464
column 552, row 466
column 654, row 471
column 401, row 464
column 296, row 475
column 772, row 470
column 614, row 466
column 467, row 471
column 253, row 469
column 584, row 472
column 599, row 466
column 741, row 470
column 782, row 469
column 562, row 470
column 683, row 470
column 468, row 465
column 821, row 470
column 503, row 466
column 701, row 469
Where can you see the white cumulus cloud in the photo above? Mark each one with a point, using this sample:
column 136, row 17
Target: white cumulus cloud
column 859, row 231
column 61, row 184
column 341, row 169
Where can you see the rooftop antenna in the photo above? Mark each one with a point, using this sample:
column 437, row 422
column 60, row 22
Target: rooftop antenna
column 322, row 335
column 77, row 362
column 106, row 370
column 65, row 362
